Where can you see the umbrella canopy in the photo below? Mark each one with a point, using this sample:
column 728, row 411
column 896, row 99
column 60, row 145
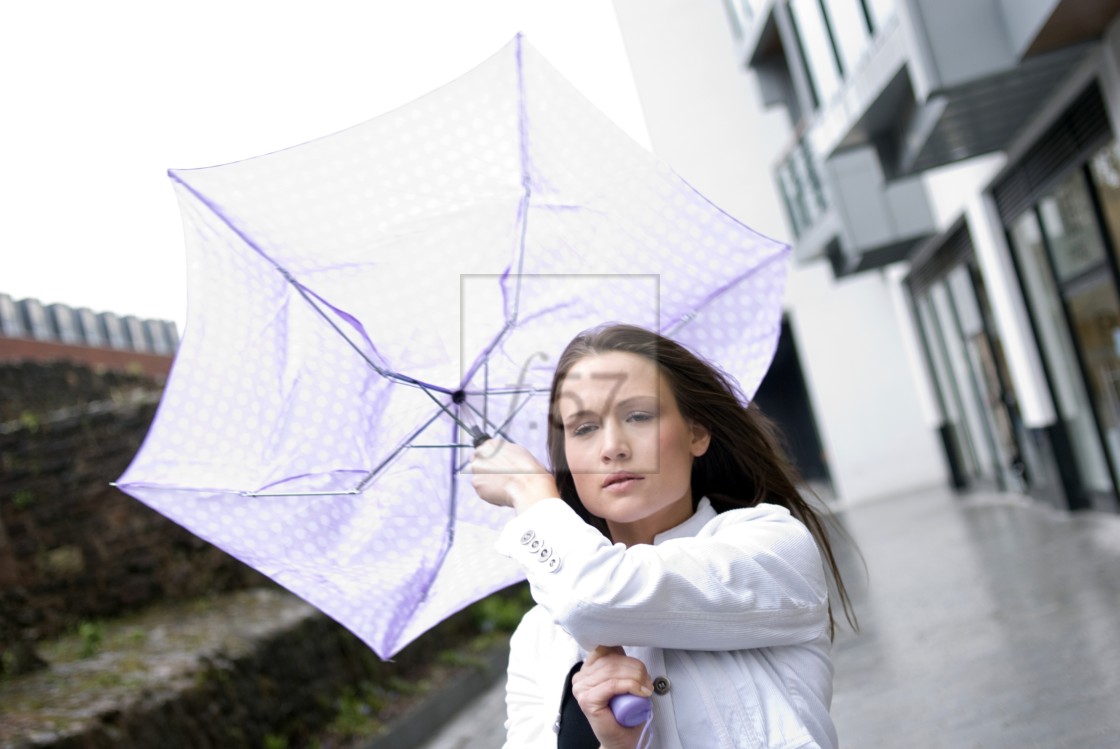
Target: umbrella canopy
column 357, row 301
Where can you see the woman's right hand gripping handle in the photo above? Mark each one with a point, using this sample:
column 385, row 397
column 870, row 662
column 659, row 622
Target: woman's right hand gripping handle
column 607, row 672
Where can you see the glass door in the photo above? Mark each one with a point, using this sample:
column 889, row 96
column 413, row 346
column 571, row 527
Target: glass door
column 963, row 455
column 1031, row 469
column 1070, row 285
column 985, row 379
column 1094, row 311
column 1059, row 355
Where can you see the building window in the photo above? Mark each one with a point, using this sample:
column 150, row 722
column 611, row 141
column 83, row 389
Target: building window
column 880, row 12
column 1105, row 170
column 816, row 45
column 36, row 321
column 801, row 188
column 739, row 13
column 11, row 321
column 1070, row 226
column 1059, row 352
column 743, row 14
column 65, row 323
column 849, row 26
column 983, row 458
column 948, row 391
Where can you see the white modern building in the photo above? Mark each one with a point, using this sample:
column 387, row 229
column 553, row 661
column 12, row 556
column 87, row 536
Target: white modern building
column 842, row 382
column 948, row 175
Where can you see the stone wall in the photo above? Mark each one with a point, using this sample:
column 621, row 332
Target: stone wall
column 261, row 668
column 33, row 389
column 72, row 547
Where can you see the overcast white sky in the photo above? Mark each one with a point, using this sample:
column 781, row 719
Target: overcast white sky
column 99, row 99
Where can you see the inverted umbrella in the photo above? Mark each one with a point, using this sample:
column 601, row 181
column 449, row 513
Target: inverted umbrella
column 361, row 306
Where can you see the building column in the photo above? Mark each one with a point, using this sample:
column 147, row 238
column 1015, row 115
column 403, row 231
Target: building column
column 911, row 345
column 994, row 257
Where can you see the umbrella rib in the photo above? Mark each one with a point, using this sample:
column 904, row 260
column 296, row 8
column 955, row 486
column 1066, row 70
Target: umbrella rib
column 487, row 423
column 510, row 390
column 306, row 294
column 511, row 320
column 450, row 445
column 526, row 185
column 692, row 314
column 499, row 428
column 365, row 480
column 407, row 443
column 526, row 181
column 445, row 549
column 388, row 374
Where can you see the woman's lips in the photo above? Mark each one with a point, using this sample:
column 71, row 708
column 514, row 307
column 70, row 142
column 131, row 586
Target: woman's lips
column 621, row 481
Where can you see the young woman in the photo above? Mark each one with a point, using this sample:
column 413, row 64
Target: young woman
column 670, row 554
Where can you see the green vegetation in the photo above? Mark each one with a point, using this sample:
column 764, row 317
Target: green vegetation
column 98, row 657
column 272, row 741
column 503, row 610
column 356, row 712
column 23, row 499
column 9, row 663
column 91, row 634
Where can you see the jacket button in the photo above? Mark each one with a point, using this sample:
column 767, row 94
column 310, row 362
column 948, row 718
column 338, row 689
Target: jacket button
column 661, row 685
column 553, row 564
column 535, row 545
column 545, row 553
column 527, row 537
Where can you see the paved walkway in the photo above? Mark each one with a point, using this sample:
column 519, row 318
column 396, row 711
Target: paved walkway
column 987, row 621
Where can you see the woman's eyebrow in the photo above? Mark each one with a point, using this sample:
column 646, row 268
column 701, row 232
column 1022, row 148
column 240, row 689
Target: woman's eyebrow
column 636, row 399
column 582, row 413
column 622, row 404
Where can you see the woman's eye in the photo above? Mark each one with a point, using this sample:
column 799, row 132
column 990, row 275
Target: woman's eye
column 582, row 429
column 639, row 416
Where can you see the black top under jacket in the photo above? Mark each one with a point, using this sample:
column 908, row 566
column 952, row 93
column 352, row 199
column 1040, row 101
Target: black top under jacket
column 575, row 732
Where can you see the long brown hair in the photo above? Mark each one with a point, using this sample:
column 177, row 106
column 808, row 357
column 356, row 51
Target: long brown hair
column 744, row 464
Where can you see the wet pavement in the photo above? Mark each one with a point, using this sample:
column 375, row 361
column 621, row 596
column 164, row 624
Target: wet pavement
column 986, row 621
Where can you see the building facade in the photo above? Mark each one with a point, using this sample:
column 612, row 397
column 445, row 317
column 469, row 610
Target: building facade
column 842, row 384
column 1014, row 294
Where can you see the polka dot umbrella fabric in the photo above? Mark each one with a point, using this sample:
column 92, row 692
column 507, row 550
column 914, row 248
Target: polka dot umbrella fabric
column 360, row 303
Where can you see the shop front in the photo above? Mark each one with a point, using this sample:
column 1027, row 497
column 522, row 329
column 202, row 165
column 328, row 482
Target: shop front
column 1059, row 204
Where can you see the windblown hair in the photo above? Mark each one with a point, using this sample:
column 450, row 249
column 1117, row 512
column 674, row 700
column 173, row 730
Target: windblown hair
column 744, row 464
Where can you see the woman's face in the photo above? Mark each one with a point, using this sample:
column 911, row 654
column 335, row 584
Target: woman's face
column 629, row 449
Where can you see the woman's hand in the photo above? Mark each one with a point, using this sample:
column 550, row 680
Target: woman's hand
column 607, row 672
column 508, row 475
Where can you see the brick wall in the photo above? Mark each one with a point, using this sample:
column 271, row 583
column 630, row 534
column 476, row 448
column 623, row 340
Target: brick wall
column 16, row 350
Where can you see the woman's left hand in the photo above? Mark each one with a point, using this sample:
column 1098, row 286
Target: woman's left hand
column 507, row 475
column 607, row 672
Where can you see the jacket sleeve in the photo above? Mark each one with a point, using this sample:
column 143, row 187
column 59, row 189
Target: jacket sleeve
column 751, row 578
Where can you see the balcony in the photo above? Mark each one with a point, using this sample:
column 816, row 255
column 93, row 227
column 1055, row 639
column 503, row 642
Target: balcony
column 753, row 24
column 762, row 28
column 952, row 80
column 846, row 212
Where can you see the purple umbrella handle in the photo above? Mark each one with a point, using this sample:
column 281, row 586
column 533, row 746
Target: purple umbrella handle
column 478, row 436
column 631, row 710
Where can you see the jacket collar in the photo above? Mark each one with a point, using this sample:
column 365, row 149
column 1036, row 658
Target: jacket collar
column 691, row 527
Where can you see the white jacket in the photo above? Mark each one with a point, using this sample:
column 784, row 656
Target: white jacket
column 731, row 608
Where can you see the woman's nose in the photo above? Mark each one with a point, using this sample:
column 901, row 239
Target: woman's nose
column 615, row 446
